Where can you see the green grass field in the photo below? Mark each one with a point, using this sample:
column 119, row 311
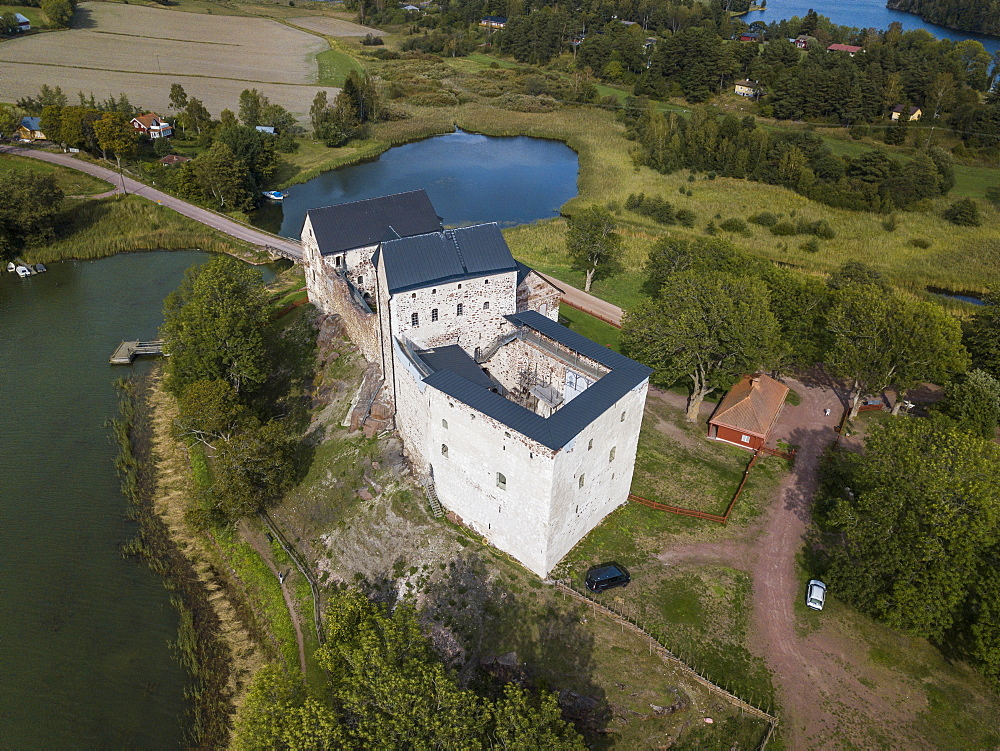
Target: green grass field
column 335, row 65
column 32, row 14
column 71, row 182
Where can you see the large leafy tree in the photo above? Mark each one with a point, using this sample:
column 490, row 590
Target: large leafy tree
column 210, row 412
column 222, row 178
column 254, row 468
column 983, row 337
column 593, row 244
column 916, row 514
column 217, row 327
column 115, row 134
column 254, row 150
column 882, row 339
column 706, row 329
column 29, row 205
column 974, row 403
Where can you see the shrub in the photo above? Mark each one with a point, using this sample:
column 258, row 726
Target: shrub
column 712, row 175
column 993, row 195
column 655, row 207
column 823, row 230
column 890, row 223
column 812, row 246
column 764, row 219
column 711, row 229
column 782, row 229
column 919, row 242
column 734, row 225
column 370, row 40
column 686, row 217
column 691, row 178
column 964, row 213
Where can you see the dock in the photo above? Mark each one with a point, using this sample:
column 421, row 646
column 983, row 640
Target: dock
column 128, row 351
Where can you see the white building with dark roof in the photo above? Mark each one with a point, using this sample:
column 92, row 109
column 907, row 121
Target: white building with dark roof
column 527, row 430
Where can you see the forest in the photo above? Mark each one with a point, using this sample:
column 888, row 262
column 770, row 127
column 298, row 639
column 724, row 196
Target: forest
column 981, row 16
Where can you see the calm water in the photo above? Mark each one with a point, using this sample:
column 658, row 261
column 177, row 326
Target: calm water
column 469, row 179
column 84, row 654
column 864, row 14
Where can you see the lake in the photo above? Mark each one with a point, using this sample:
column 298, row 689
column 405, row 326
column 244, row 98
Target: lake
column 863, row 14
column 85, row 632
column 470, row 179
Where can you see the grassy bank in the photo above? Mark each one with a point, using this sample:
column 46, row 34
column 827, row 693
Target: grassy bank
column 200, row 647
column 90, row 229
column 71, row 182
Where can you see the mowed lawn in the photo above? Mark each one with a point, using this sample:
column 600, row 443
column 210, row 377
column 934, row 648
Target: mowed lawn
column 142, row 51
column 71, row 182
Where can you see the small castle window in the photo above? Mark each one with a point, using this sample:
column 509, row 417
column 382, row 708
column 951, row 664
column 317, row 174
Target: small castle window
column 361, row 281
column 486, row 305
column 339, row 261
column 414, row 295
column 611, row 456
column 590, row 444
column 434, row 291
column 623, row 417
column 501, row 481
column 444, row 424
column 434, row 314
column 415, row 319
column 459, row 309
column 581, row 480
column 486, row 281
column 460, row 286
column 444, row 449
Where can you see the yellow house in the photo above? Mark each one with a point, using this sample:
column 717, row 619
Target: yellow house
column 897, row 112
column 29, row 130
column 748, row 88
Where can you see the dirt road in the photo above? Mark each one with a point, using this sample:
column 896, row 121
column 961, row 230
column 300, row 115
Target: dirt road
column 595, row 306
column 292, row 248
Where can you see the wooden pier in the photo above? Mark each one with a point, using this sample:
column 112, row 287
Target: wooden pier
column 127, row 351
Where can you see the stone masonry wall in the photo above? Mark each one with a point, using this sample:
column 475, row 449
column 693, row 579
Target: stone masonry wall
column 534, row 293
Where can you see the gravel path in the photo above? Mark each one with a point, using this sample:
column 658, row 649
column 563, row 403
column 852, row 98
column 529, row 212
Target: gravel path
column 595, row 306
column 209, row 218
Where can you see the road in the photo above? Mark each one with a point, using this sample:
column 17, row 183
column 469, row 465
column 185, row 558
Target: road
column 291, row 248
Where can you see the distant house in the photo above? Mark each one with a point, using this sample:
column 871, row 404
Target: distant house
column 23, row 24
column 172, row 160
column 750, row 89
column 750, row 36
column 411, row 8
column 850, row 49
column 151, row 125
column 29, row 129
column 494, row 22
column 897, row 112
column 748, row 412
column 265, row 129
column 801, row 41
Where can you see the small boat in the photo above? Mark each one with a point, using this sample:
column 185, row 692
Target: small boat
column 23, row 271
column 40, row 268
column 275, row 195
column 11, row 266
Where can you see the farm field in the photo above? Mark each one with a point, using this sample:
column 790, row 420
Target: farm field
column 142, row 51
column 333, row 27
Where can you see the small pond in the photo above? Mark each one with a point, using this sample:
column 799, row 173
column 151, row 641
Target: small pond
column 469, row 178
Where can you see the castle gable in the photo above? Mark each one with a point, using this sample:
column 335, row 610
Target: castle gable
column 365, row 223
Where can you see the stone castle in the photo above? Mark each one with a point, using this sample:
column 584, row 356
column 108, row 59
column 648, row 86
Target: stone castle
column 526, row 430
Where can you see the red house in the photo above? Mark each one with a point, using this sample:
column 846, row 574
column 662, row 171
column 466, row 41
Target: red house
column 748, row 412
column 151, row 125
column 850, row 49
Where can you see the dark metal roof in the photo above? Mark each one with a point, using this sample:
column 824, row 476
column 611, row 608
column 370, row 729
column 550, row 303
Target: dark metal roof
column 560, row 428
column 362, row 223
column 456, row 360
column 446, row 256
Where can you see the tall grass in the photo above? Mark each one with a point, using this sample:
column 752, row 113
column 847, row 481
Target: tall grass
column 96, row 229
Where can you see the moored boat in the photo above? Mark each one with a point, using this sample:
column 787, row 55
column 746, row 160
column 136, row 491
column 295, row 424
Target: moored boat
column 274, row 195
column 40, row 268
column 23, row 271
column 11, row 266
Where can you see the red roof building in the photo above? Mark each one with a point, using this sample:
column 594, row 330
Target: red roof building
column 850, row 49
column 748, row 412
column 151, row 125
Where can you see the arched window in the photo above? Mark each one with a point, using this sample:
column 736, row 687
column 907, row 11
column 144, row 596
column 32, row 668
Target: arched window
column 501, row 481
column 486, row 305
column 459, row 309
column 444, row 449
column 434, row 314
column 444, row 424
column 414, row 319
column 611, row 456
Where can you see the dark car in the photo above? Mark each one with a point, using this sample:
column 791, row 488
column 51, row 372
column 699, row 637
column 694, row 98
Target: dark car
column 607, row 576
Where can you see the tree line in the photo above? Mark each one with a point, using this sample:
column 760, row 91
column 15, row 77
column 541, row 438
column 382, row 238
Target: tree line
column 979, row 16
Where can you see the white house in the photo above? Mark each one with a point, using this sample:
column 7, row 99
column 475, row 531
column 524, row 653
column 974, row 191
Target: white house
column 527, row 430
column 151, row 125
column 23, row 24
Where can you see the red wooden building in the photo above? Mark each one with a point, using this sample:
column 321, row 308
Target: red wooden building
column 748, row 412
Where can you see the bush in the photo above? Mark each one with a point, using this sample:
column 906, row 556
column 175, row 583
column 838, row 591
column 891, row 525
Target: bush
column 734, row 225
column 655, row 207
column 783, row 229
column 964, row 213
column 823, row 230
column 764, row 219
column 711, row 229
column 812, row 246
column 919, row 242
column 993, row 195
column 370, row 40
column 686, row 217
column 890, row 223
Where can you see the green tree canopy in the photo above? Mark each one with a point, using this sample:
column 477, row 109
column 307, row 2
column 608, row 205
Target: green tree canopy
column 58, row 12
column 983, row 336
column 222, row 178
column 254, row 150
column 593, row 245
column 29, row 206
column 974, row 403
column 217, row 327
column 707, row 329
column 917, row 513
column 964, row 213
column 210, row 412
column 254, row 468
column 115, row 133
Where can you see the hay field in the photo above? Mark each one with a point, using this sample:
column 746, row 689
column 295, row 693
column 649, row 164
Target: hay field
column 142, row 51
column 334, row 27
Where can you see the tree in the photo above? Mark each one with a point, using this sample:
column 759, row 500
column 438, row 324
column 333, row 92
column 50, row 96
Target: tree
column 254, row 468
column 8, row 23
column 964, row 213
column 983, row 338
column 115, row 134
column 253, row 149
column 223, row 178
column 29, row 206
column 10, row 118
column 915, row 515
column 252, row 104
column 178, row 97
column 58, row 12
column 974, row 403
column 852, row 273
column 319, row 112
column 196, row 115
column 881, row 339
column 593, row 245
column 217, row 327
column 210, row 412
column 707, row 329
column 50, row 122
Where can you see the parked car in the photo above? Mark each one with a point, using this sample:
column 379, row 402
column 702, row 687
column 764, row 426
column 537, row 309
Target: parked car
column 815, row 594
column 607, row 576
